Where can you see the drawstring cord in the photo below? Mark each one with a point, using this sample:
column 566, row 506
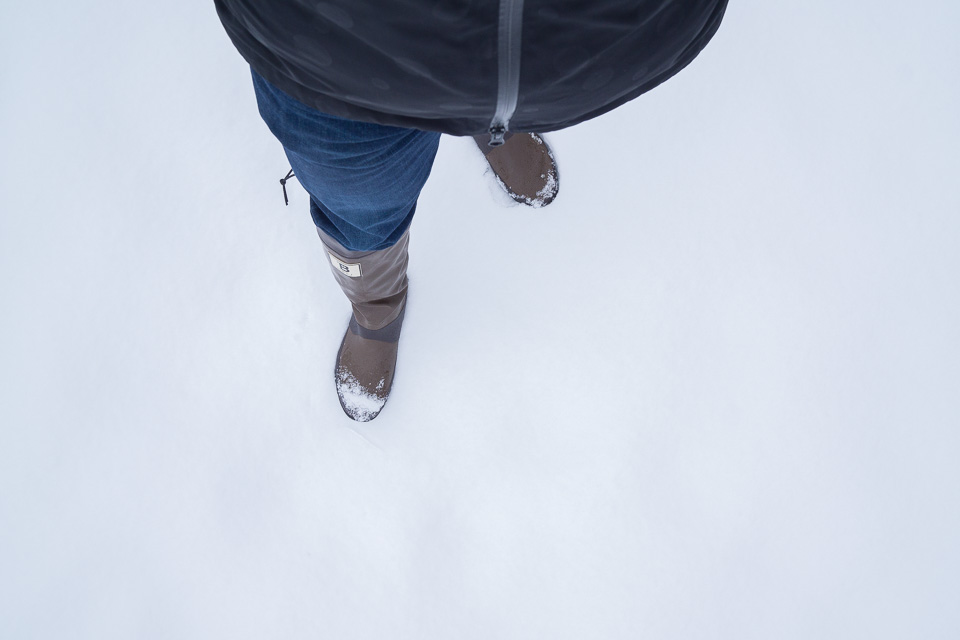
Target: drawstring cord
column 283, row 183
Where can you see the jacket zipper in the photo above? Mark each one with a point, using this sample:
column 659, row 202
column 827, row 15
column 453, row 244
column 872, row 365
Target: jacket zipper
column 508, row 68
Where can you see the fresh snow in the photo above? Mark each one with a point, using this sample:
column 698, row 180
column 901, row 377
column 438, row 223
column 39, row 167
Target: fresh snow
column 359, row 403
column 709, row 392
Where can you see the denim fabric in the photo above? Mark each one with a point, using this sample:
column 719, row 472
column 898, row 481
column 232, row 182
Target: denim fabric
column 363, row 179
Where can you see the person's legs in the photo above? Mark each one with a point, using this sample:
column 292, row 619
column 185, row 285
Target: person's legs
column 364, row 180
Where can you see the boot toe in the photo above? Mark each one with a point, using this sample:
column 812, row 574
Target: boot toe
column 366, row 364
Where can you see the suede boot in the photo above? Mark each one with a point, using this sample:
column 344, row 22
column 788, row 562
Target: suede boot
column 375, row 282
column 524, row 166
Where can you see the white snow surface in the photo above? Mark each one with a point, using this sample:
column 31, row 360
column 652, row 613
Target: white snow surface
column 710, row 392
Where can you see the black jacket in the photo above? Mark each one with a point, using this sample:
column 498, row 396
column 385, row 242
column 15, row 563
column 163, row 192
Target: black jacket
column 469, row 66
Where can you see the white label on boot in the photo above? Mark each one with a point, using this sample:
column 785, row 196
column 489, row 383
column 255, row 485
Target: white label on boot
column 350, row 270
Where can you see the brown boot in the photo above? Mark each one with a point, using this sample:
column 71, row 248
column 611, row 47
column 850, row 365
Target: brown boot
column 366, row 362
column 375, row 282
column 524, row 166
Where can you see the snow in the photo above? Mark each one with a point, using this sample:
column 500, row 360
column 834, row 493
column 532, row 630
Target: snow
column 709, row 392
column 358, row 403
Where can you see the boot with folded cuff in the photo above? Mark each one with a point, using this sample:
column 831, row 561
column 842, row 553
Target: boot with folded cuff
column 375, row 282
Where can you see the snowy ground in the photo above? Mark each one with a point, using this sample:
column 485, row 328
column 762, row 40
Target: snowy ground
column 711, row 392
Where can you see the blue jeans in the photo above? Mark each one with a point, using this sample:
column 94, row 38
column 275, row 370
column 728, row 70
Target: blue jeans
column 363, row 179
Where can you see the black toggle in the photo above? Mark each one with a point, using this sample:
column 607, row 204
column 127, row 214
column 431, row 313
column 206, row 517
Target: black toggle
column 283, row 183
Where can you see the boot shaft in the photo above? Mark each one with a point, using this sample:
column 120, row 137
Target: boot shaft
column 375, row 282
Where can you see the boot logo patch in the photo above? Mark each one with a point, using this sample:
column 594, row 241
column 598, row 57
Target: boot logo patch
column 347, row 269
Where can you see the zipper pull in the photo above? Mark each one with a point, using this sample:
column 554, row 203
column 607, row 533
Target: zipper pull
column 496, row 135
column 283, row 183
